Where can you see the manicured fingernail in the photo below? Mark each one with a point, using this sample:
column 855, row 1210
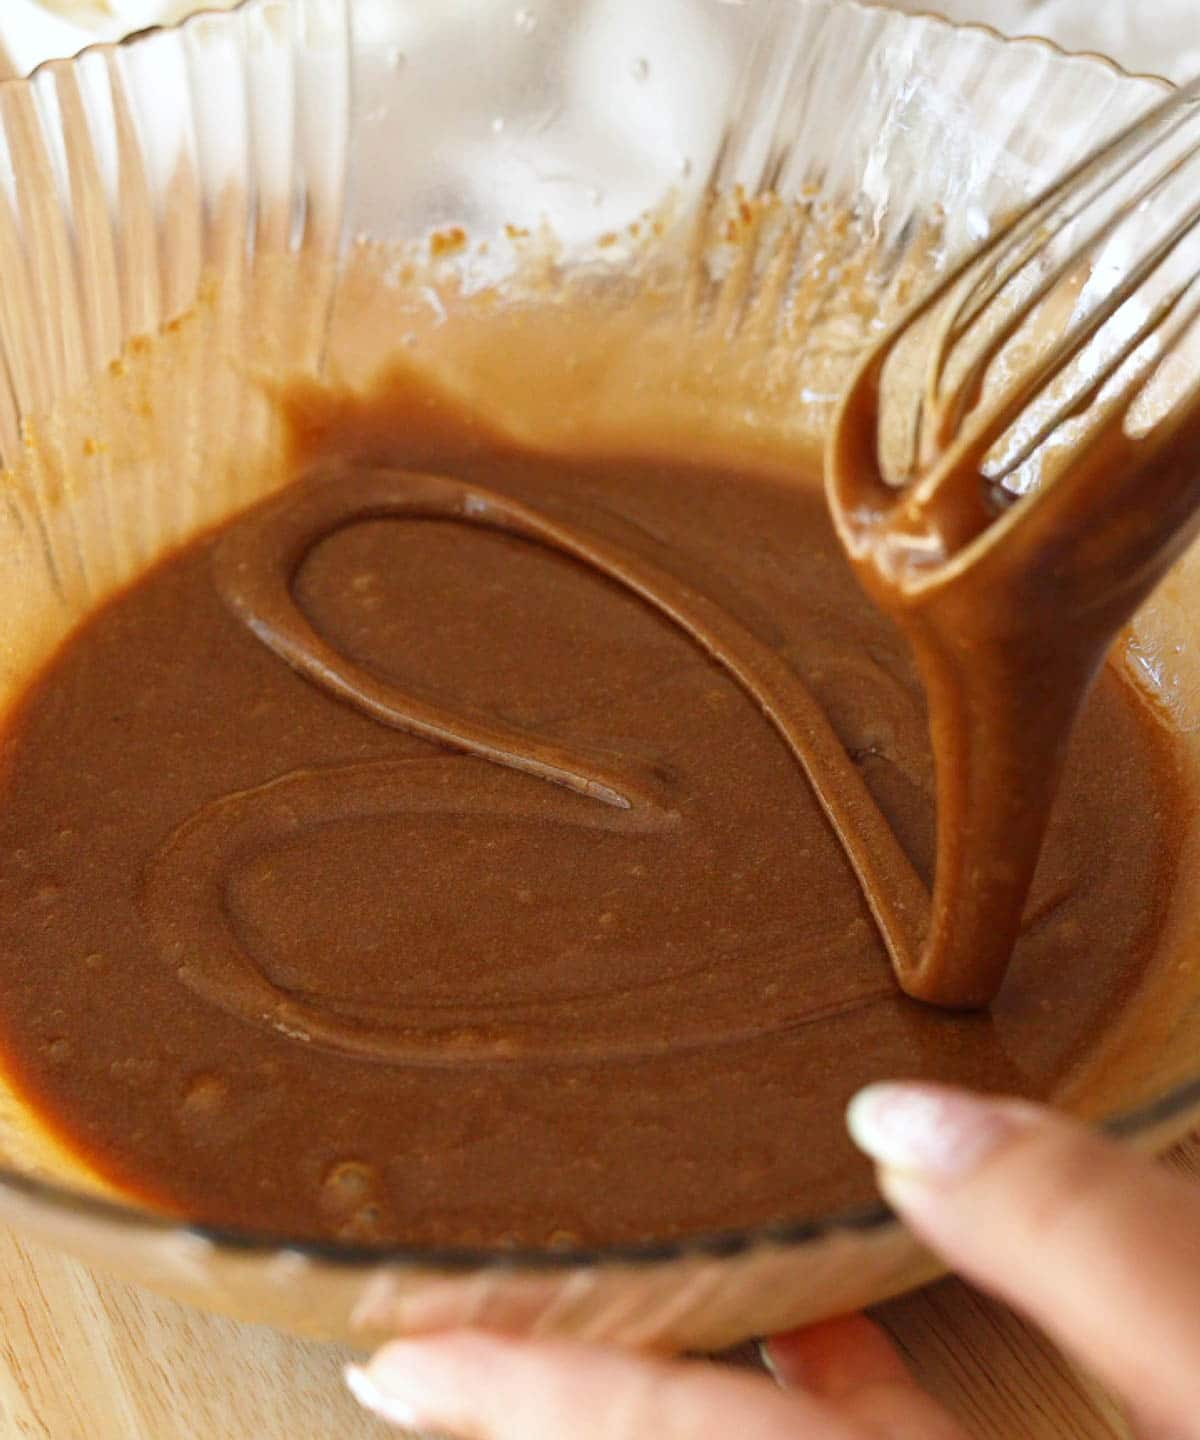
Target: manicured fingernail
column 380, row 1399
column 926, row 1131
column 766, row 1354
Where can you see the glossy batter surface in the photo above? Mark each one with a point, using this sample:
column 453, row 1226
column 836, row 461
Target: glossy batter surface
column 271, row 959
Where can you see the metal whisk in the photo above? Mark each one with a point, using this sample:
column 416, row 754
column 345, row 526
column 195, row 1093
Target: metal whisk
column 1012, row 470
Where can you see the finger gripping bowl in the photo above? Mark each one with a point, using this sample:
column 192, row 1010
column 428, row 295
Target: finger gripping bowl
column 293, row 193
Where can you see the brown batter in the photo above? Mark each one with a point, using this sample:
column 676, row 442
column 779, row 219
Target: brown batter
column 1010, row 610
column 465, row 855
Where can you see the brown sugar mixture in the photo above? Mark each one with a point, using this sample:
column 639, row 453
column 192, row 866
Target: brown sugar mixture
column 450, row 855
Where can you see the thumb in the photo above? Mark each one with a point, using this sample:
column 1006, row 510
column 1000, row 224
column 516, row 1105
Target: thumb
column 1097, row 1245
column 477, row 1386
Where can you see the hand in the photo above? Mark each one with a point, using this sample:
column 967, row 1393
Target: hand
column 1096, row 1245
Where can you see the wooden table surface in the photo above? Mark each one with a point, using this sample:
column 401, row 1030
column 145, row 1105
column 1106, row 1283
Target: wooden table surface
column 83, row 1357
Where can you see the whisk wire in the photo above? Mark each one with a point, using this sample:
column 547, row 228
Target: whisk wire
column 1087, row 394
column 977, row 281
column 951, row 409
column 1033, row 224
column 948, row 411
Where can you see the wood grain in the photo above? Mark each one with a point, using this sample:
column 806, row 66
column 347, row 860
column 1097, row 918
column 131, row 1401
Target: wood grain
column 83, row 1357
column 1000, row 1377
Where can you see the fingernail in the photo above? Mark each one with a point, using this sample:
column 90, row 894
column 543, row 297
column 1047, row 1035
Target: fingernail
column 380, row 1399
column 927, row 1131
column 766, row 1354
column 782, row 1363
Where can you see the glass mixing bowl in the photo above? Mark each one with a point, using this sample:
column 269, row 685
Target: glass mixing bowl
column 305, row 189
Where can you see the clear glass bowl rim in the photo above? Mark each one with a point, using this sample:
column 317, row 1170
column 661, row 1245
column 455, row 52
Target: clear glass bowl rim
column 1147, row 1118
